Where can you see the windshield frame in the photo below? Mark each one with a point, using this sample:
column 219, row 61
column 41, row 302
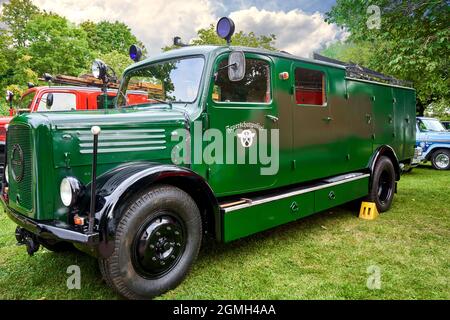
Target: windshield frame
column 121, row 94
column 424, row 122
column 30, row 104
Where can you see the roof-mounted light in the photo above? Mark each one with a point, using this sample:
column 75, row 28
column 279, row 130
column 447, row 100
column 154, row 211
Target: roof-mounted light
column 225, row 28
column 135, row 53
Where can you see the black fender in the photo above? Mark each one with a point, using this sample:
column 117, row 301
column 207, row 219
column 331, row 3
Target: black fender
column 116, row 186
column 389, row 152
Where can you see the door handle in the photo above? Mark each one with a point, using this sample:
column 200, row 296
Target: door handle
column 271, row 117
column 327, row 119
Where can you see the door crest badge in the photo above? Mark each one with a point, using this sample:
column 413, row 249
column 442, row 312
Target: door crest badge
column 247, row 135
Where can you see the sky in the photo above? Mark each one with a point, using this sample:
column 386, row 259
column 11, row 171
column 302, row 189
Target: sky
column 297, row 24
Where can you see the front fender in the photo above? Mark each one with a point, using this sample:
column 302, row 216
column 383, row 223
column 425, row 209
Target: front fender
column 116, row 185
column 426, row 155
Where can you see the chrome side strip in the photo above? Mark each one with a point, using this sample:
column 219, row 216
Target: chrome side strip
column 292, row 193
column 111, row 150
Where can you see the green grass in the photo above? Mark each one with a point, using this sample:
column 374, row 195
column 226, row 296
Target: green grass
column 325, row 256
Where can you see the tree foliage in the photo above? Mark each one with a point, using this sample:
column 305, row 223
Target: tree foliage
column 105, row 36
column 15, row 15
column 56, row 45
column 412, row 42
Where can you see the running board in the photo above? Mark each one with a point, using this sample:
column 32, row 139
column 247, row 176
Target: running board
column 241, row 203
column 242, row 217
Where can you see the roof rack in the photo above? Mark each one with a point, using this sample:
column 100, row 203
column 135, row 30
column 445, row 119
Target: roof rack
column 83, row 81
column 359, row 72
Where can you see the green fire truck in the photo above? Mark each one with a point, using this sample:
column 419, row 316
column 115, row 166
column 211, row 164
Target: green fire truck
column 238, row 141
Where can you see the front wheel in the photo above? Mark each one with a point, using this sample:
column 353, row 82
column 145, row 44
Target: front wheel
column 157, row 240
column 441, row 159
column 383, row 184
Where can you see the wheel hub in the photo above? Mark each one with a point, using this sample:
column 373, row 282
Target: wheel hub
column 442, row 160
column 158, row 246
column 384, row 187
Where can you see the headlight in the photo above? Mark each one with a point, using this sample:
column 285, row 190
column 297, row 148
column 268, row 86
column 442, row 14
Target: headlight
column 6, row 174
column 69, row 190
column 98, row 69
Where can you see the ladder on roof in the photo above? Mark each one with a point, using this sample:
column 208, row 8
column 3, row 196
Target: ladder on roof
column 354, row 70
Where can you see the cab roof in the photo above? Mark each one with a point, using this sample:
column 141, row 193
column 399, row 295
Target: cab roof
column 210, row 49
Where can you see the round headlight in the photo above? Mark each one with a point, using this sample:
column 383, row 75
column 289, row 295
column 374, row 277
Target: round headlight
column 98, row 69
column 6, row 174
column 69, row 190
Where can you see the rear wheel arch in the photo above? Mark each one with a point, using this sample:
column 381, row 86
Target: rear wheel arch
column 386, row 151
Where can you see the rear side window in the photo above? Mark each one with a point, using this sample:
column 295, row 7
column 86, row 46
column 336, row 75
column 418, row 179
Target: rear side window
column 255, row 87
column 62, row 101
column 310, row 87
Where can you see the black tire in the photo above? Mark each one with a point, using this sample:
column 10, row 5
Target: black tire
column 441, row 159
column 382, row 187
column 157, row 241
column 56, row 246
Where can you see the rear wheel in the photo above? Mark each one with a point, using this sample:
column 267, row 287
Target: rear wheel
column 441, row 159
column 383, row 184
column 157, row 241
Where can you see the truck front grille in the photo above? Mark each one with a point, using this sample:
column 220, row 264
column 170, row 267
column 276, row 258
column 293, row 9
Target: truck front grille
column 20, row 161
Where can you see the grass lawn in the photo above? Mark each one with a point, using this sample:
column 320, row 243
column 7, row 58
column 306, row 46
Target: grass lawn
column 325, row 256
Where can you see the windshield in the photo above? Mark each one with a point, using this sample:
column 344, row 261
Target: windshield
column 430, row 125
column 25, row 101
column 169, row 81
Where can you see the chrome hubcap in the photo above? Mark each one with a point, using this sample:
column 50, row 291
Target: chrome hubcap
column 442, row 160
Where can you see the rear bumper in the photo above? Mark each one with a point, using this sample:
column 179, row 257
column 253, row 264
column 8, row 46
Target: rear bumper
column 54, row 230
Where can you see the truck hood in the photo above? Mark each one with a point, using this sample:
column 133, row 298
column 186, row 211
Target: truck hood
column 436, row 136
column 126, row 135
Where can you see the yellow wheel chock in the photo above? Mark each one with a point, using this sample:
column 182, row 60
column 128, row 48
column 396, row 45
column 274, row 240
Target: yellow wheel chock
column 368, row 211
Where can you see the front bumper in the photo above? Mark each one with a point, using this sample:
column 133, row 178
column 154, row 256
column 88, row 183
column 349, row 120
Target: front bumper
column 54, row 230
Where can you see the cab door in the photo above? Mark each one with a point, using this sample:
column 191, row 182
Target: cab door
column 240, row 111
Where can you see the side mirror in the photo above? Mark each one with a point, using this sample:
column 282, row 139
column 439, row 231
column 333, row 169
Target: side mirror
column 236, row 63
column 49, row 101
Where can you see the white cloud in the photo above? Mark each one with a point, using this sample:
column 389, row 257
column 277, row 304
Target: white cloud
column 156, row 22
column 297, row 32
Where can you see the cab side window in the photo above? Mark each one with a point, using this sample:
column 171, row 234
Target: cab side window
column 62, row 101
column 254, row 88
column 310, row 87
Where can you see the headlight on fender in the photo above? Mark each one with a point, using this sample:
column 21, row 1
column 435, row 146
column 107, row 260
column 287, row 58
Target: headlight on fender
column 70, row 190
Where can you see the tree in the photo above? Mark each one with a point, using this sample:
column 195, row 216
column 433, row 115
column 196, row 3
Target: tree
column 208, row 36
column 105, row 37
column 411, row 43
column 56, row 45
column 15, row 15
